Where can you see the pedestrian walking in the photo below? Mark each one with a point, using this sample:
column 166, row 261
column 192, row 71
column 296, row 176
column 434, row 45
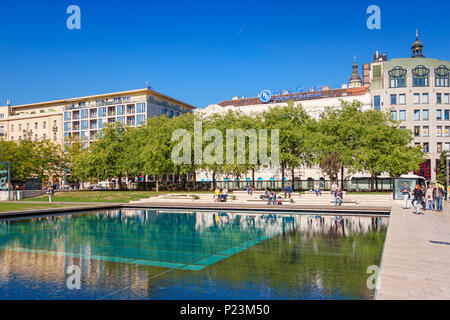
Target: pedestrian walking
column 429, row 198
column 50, row 192
column 438, row 195
column 406, row 193
column 418, row 199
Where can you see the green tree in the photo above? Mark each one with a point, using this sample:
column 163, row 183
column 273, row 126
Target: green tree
column 442, row 170
column 293, row 123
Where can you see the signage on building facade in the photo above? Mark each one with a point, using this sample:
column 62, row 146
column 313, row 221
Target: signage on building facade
column 299, row 93
column 265, row 96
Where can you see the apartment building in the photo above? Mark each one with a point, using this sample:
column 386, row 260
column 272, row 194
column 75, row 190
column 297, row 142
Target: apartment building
column 416, row 91
column 82, row 119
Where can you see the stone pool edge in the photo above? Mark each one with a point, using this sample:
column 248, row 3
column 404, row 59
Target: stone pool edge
column 324, row 210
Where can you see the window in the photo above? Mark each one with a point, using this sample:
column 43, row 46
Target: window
column 402, row 128
column 2, row 115
column 438, row 114
column 394, row 115
column 402, row 115
column 420, row 76
column 426, row 147
column 439, row 147
column 393, row 99
column 425, row 98
column 55, row 137
column 447, row 115
column 35, row 125
column 140, row 119
column 442, row 76
column 376, row 103
column 44, row 125
column 416, row 98
column 12, row 128
column 447, row 146
column 28, row 126
column 439, row 131
column 20, row 127
column 402, row 99
column 397, row 77
column 447, row 131
column 377, row 72
column 67, row 115
column 425, row 131
column 417, row 131
column 67, row 126
column 84, row 114
column 425, row 115
column 446, row 98
column 416, row 115
column 140, row 107
column 84, row 124
column 438, row 98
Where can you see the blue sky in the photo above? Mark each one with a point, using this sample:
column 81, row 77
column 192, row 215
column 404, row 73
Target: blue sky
column 202, row 52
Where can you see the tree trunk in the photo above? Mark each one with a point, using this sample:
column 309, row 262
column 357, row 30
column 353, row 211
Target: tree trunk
column 157, row 183
column 342, row 178
column 293, row 179
column 195, row 180
column 253, row 177
column 282, row 176
column 214, row 180
column 376, row 180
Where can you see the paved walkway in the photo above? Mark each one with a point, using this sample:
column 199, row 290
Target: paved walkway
column 414, row 268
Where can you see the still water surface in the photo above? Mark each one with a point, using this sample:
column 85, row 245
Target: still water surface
column 144, row 254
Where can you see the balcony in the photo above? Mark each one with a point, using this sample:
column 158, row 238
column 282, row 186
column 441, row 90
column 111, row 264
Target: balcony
column 55, row 129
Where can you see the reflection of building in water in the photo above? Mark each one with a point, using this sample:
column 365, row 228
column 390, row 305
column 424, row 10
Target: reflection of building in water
column 273, row 224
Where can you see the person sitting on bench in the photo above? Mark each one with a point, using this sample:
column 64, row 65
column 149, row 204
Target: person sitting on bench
column 224, row 195
column 265, row 196
column 339, row 196
column 288, row 191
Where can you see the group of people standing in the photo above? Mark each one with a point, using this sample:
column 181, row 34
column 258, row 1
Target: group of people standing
column 433, row 196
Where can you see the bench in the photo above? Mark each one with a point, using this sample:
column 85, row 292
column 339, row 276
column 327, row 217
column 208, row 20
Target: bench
column 178, row 196
column 265, row 200
column 346, row 202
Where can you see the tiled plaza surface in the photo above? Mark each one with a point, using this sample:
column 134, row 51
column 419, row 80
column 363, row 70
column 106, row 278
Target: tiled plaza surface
column 416, row 257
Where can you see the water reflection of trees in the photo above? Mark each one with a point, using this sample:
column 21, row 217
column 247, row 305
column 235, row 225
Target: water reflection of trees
column 311, row 250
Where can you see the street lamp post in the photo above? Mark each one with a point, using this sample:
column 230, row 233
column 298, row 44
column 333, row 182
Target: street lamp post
column 9, row 178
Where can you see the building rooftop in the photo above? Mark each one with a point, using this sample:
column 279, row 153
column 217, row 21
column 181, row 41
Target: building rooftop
column 106, row 95
column 334, row 93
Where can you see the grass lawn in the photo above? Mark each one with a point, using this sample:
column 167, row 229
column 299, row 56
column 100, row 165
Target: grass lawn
column 9, row 207
column 98, row 196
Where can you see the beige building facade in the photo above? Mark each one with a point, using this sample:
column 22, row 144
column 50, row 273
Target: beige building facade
column 82, row 119
column 416, row 91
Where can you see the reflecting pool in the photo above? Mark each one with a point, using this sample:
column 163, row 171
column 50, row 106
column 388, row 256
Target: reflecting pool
column 147, row 254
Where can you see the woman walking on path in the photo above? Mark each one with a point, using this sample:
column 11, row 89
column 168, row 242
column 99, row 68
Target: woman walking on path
column 429, row 198
column 418, row 199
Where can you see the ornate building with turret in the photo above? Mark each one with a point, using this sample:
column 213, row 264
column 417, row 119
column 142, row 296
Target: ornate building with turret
column 416, row 92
